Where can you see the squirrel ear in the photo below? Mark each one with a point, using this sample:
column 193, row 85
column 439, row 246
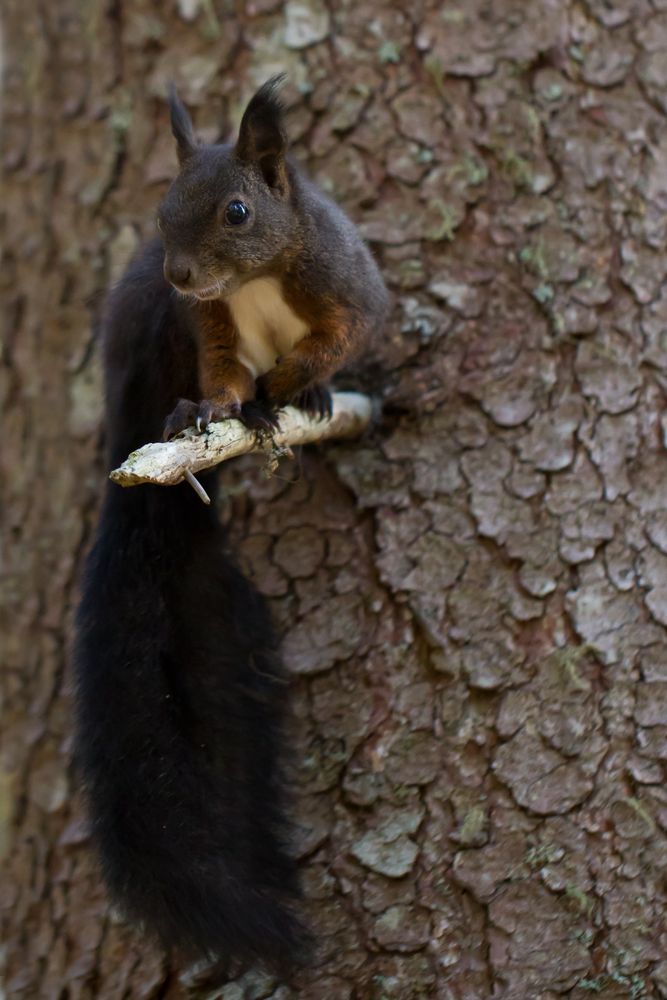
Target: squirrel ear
column 181, row 127
column 262, row 136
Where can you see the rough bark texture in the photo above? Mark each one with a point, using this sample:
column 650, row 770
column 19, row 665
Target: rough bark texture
column 474, row 599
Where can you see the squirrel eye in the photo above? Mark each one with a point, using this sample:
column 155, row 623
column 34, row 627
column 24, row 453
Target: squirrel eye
column 236, row 213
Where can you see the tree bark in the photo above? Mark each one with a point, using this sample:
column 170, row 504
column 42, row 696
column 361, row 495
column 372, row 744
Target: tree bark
column 474, row 599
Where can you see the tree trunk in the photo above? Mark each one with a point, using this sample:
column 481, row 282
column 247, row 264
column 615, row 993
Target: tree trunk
column 474, row 598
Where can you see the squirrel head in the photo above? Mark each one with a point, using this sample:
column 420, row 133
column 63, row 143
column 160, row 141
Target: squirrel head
column 228, row 216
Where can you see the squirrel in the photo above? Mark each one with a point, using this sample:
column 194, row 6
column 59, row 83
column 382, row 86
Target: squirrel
column 256, row 290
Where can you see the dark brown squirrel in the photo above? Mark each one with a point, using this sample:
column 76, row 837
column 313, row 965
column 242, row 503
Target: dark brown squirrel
column 282, row 289
column 180, row 687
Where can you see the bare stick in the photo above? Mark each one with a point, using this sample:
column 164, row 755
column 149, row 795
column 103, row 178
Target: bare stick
column 170, row 462
column 197, row 487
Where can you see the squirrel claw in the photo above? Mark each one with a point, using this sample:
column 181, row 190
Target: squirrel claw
column 200, row 415
column 183, row 415
column 316, row 401
column 259, row 415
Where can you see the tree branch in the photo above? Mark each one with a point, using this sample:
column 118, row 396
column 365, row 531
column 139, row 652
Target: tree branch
column 170, row 462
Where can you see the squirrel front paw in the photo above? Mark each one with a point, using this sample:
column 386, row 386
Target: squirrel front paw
column 280, row 385
column 284, row 385
column 200, row 415
column 316, row 401
column 259, row 415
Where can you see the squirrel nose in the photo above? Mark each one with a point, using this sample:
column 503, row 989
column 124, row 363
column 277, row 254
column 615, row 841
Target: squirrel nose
column 178, row 272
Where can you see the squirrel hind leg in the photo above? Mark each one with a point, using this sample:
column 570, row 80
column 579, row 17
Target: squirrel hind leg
column 316, row 401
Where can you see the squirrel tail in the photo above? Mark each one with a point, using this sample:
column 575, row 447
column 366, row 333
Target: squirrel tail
column 180, row 697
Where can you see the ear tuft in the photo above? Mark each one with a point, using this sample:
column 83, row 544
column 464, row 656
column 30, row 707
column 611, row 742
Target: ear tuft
column 181, row 127
column 262, row 137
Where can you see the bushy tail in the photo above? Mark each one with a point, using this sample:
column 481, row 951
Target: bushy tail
column 180, row 699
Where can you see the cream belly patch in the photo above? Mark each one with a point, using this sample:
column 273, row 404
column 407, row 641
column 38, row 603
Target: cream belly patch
column 268, row 328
